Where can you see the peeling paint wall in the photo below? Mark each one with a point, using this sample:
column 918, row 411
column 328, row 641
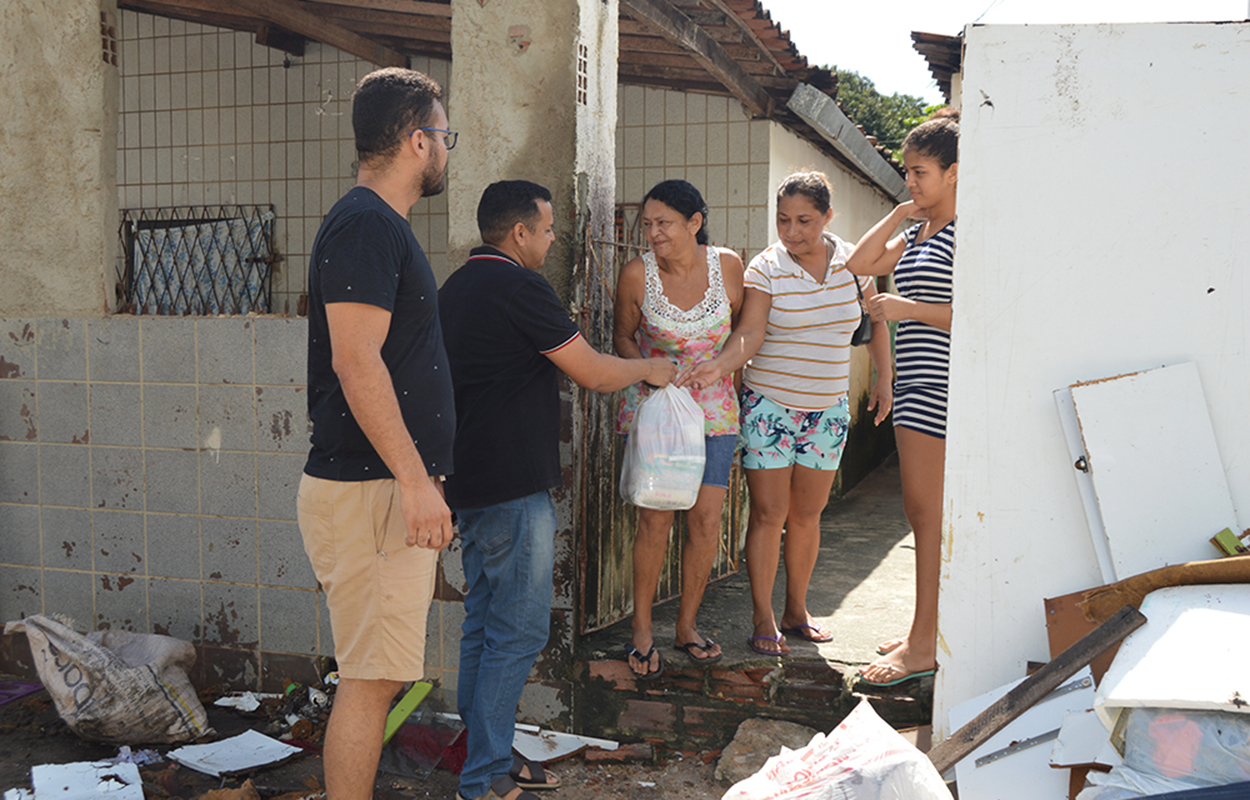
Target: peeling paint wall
column 57, row 137
column 1102, row 213
column 148, row 470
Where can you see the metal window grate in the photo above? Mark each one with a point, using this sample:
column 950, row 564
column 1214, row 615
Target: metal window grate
column 196, row 260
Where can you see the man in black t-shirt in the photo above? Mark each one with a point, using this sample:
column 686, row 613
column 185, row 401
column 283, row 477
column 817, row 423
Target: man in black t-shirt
column 371, row 509
column 508, row 337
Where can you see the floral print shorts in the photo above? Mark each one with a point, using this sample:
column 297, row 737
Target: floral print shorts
column 773, row 436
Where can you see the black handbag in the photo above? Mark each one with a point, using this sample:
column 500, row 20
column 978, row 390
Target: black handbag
column 862, row 334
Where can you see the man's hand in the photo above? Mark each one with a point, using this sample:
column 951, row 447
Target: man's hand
column 661, row 372
column 426, row 515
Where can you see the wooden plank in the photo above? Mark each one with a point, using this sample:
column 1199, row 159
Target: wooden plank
column 963, row 741
column 297, row 19
column 398, row 6
column 405, row 32
column 1066, row 624
column 348, row 14
column 286, row 14
column 678, row 27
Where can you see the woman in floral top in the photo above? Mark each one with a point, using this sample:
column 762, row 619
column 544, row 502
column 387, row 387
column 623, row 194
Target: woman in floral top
column 680, row 301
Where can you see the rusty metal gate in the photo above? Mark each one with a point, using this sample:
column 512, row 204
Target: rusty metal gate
column 605, row 523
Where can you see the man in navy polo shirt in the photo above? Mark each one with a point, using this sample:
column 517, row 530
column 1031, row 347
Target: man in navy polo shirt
column 371, row 509
column 507, row 338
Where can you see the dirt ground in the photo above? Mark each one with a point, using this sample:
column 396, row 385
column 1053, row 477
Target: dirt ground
column 32, row 733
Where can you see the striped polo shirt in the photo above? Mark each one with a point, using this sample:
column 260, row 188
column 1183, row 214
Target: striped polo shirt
column 805, row 361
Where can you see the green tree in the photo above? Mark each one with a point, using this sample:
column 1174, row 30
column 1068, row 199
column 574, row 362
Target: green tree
column 887, row 118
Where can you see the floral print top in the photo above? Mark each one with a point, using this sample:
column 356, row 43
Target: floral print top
column 686, row 338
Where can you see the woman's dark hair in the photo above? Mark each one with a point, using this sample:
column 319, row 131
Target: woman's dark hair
column 682, row 197
column 387, row 105
column 937, row 138
column 812, row 185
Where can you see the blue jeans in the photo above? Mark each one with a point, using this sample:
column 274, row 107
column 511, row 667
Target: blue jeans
column 508, row 550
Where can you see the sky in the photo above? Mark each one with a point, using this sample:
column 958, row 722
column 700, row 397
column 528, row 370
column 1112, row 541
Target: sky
column 874, row 39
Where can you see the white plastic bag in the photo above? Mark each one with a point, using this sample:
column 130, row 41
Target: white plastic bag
column 861, row 759
column 117, row 686
column 665, row 453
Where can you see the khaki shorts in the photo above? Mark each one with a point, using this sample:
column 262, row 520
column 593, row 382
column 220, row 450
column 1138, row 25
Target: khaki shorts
column 378, row 589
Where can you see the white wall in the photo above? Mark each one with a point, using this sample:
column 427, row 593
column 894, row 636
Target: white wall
column 1102, row 222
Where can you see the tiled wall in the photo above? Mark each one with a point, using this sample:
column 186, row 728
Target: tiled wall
column 704, row 139
column 148, row 470
column 208, row 117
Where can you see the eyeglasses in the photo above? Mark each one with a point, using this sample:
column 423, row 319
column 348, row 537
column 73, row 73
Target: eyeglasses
column 449, row 139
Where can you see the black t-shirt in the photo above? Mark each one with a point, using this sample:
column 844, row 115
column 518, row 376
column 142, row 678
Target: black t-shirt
column 500, row 320
column 366, row 253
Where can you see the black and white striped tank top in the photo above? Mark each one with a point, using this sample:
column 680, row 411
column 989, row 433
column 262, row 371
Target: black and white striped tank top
column 924, row 273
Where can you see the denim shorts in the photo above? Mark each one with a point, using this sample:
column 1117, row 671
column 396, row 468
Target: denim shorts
column 774, row 436
column 720, row 452
column 720, row 459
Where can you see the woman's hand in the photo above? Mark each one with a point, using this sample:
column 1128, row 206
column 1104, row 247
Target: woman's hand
column 910, row 210
column 883, row 307
column 700, row 376
column 881, row 398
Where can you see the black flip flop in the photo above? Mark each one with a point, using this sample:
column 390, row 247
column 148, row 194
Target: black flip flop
column 537, row 780
column 689, row 647
column 645, row 658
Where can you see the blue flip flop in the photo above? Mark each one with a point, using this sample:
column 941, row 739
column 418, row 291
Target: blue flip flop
column 924, row 673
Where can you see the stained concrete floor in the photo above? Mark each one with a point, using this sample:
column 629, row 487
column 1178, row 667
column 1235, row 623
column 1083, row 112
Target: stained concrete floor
column 862, row 589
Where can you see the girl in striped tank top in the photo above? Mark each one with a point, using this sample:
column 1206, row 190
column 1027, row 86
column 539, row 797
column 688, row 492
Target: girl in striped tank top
column 922, row 259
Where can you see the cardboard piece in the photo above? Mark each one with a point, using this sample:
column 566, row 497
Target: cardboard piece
column 1066, row 625
column 241, row 753
column 553, row 745
column 87, row 780
column 1190, row 655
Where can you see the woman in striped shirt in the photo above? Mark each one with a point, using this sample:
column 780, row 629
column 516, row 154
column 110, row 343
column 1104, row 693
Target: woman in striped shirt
column 800, row 310
column 921, row 258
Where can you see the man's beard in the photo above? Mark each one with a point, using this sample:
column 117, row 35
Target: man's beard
column 433, row 180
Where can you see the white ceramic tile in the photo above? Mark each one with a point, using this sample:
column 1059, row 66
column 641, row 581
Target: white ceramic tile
column 653, row 146
column 653, row 105
column 144, row 22
column 194, row 90
column 208, row 85
column 160, row 26
column 761, row 133
column 208, row 52
column 739, row 143
column 147, row 56
column 225, row 49
column 212, row 124
column 164, row 195
column 294, row 121
column 163, row 129
column 739, row 186
column 225, row 85
column 193, row 52
column 696, row 108
column 195, row 164
column 178, row 91
column 715, row 189
column 147, row 165
column 195, row 194
column 674, row 108
column 696, row 144
column 697, row 176
column 757, row 184
column 634, row 151
column 260, row 85
column 195, row 127
column 633, row 112
column 181, row 194
column 244, row 50
column 226, row 126
column 675, row 146
column 160, row 55
column 130, row 94
column 242, row 87
column 717, row 141
column 164, row 166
